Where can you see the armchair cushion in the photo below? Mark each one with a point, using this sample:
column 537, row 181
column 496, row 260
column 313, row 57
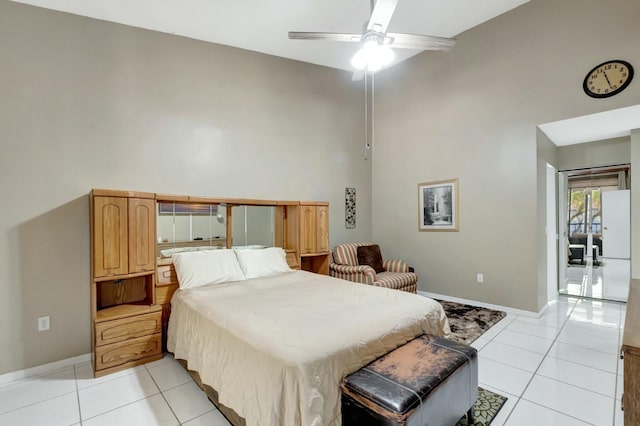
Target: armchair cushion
column 347, row 254
column 370, row 255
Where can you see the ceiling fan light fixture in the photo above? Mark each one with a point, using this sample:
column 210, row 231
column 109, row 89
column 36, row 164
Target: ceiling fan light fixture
column 372, row 56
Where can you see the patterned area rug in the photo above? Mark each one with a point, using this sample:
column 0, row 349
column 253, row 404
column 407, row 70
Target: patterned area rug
column 469, row 322
column 485, row 409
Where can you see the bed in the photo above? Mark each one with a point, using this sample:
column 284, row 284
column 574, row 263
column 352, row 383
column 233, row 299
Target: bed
column 276, row 347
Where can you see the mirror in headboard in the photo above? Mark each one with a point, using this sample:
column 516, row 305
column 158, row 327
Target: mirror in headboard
column 190, row 226
column 253, row 225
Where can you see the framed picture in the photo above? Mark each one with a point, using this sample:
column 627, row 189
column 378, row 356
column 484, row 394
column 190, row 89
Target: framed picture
column 438, row 204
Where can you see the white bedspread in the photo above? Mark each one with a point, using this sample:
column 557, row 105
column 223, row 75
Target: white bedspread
column 276, row 348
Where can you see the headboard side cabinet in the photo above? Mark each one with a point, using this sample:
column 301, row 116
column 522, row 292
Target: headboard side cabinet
column 631, row 351
column 125, row 322
column 131, row 288
column 305, row 235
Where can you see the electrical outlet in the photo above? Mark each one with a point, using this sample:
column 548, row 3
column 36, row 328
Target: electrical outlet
column 44, row 323
column 480, row 278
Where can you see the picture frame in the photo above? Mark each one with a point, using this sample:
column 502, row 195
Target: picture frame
column 438, row 206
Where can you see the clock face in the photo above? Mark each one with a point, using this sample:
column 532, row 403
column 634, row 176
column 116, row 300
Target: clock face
column 608, row 79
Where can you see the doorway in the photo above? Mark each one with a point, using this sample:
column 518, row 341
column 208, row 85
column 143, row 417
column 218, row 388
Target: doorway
column 594, row 214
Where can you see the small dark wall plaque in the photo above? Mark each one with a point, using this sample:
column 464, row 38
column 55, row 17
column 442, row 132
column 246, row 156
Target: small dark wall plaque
column 350, row 208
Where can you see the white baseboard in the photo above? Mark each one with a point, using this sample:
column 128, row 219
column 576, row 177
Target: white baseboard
column 486, row 305
column 43, row 369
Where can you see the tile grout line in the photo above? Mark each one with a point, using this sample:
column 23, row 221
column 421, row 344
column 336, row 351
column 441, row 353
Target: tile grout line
column 119, row 407
column 35, row 403
column 518, row 347
column 518, row 397
column 559, row 412
column 123, row 405
column 129, row 371
column 191, row 380
column 34, row 377
column 162, row 394
column 554, row 341
column 75, row 377
column 579, row 387
column 615, row 397
column 543, row 358
column 579, row 363
column 558, row 341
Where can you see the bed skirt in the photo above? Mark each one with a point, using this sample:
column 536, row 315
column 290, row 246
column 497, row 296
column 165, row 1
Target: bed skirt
column 212, row 394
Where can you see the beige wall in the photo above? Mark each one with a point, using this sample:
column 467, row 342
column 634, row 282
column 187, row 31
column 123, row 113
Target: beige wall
column 85, row 103
column 594, row 154
column 472, row 114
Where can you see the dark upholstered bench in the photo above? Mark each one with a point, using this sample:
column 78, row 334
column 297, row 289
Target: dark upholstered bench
column 428, row 381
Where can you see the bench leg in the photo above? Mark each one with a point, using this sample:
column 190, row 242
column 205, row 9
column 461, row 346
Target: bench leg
column 470, row 418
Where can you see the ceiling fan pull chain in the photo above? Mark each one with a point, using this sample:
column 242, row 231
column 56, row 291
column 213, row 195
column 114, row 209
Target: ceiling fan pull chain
column 373, row 120
column 369, row 110
column 367, row 146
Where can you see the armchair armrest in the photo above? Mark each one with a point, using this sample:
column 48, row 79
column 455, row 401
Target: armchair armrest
column 362, row 273
column 395, row 265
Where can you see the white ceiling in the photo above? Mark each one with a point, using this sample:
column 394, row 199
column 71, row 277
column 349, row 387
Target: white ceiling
column 593, row 127
column 262, row 25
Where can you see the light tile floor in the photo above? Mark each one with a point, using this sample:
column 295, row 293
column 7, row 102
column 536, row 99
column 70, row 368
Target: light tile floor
column 559, row 369
column 608, row 281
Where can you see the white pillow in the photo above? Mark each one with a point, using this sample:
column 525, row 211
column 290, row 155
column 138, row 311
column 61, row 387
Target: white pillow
column 198, row 268
column 263, row 262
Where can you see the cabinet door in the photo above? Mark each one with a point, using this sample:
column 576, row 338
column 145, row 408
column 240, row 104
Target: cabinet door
column 307, row 229
column 110, row 248
column 322, row 237
column 142, row 232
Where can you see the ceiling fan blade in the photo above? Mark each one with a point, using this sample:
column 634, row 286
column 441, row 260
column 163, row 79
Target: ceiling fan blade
column 297, row 35
column 381, row 15
column 420, row 42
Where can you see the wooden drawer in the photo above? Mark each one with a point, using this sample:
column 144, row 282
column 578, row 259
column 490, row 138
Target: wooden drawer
column 166, row 275
column 131, row 350
column 119, row 330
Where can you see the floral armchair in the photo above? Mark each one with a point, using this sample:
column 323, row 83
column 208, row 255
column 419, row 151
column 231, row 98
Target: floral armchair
column 344, row 264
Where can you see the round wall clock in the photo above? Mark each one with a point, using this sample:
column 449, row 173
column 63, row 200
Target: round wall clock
column 608, row 79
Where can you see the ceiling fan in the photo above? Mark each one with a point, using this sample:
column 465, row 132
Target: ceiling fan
column 376, row 42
